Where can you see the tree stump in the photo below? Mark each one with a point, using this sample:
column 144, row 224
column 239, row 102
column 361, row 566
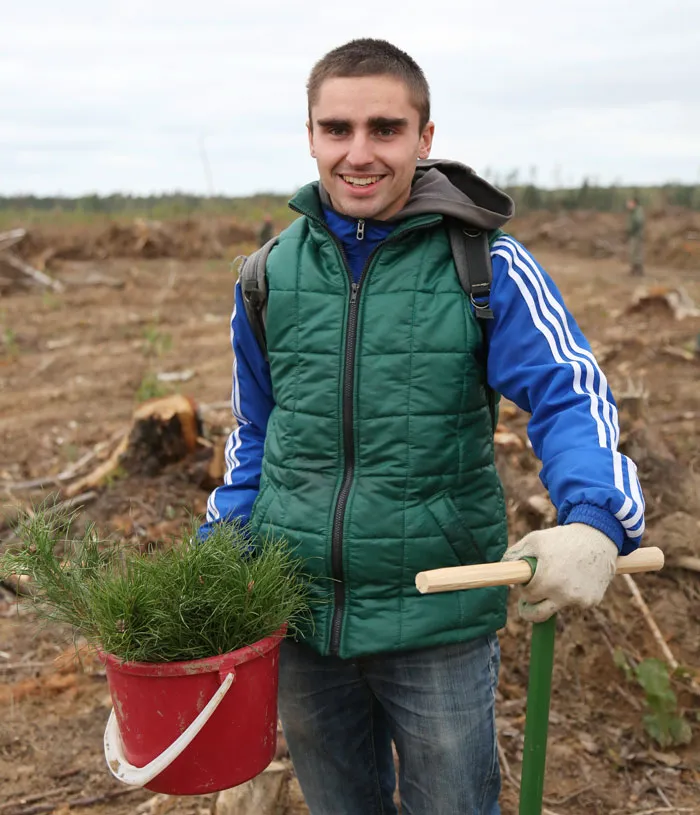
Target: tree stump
column 266, row 794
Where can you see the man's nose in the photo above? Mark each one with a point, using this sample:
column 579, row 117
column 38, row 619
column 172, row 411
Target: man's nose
column 360, row 152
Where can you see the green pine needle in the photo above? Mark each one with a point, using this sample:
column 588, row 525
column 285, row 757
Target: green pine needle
column 189, row 601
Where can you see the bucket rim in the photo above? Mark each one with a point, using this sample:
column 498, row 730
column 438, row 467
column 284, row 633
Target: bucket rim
column 193, row 667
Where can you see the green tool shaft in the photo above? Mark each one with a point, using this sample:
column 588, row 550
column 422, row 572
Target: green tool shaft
column 539, row 690
column 537, row 717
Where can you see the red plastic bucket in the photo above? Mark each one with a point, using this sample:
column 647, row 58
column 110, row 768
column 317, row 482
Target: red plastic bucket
column 156, row 703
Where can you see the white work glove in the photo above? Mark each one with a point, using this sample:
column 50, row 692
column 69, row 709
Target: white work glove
column 575, row 564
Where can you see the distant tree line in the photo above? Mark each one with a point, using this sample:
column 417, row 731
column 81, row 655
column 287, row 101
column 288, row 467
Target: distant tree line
column 175, row 204
column 527, row 196
column 613, row 198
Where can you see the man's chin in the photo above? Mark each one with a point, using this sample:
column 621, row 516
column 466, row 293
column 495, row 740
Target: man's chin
column 366, row 213
column 365, row 208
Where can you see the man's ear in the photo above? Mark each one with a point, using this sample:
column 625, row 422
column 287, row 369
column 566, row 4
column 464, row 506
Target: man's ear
column 310, row 134
column 426, row 140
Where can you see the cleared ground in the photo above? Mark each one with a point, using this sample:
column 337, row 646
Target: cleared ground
column 71, row 366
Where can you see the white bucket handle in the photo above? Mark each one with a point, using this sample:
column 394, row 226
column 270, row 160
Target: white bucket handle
column 139, row 776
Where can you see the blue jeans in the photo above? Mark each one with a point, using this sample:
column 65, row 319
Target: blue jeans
column 437, row 706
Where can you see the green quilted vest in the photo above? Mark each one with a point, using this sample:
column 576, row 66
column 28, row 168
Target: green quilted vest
column 379, row 456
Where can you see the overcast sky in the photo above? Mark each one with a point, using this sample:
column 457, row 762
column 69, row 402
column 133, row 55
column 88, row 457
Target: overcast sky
column 138, row 96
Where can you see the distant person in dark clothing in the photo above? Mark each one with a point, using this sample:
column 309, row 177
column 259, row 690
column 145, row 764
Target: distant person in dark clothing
column 635, row 232
column 267, row 230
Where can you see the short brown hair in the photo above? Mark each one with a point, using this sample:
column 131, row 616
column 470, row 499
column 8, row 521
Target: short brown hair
column 368, row 57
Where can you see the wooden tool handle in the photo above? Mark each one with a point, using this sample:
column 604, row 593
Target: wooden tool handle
column 647, row 559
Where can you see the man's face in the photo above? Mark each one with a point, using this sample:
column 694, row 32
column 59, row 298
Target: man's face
column 364, row 136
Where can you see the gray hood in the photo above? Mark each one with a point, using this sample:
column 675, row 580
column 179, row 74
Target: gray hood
column 452, row 189
column 455, row 190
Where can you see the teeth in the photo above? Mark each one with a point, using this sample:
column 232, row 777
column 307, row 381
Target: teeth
column 360, row 182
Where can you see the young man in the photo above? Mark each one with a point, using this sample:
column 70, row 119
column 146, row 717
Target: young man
column 365, row 437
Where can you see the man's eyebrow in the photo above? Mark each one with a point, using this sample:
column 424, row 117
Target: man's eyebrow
column 385, row 121
column 376, row 122
column 333, row 123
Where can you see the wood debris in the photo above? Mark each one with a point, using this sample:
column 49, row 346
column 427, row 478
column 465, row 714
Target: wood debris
column 675, row 299
column 65, row 475
column 507, row 440
column 175, row 376
column 159, row 804
column 679, row 353
column 264, row 795
column 650, row 621
column 542, row 508
column 12, row 263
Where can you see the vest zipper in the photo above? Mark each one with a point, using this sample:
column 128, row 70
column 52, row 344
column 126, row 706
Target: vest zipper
column 348, row 473
column 360, row 230
column 348, row 441
column 348, row 421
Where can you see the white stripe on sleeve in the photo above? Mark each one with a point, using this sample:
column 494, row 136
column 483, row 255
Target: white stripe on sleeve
column 521, row 267
column 234, row 440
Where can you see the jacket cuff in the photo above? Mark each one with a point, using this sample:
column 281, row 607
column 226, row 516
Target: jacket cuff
column 599, row 518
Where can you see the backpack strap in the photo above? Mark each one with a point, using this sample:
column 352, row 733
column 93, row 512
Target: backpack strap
column 472, row 256
column 251, row 276
column 471, row 251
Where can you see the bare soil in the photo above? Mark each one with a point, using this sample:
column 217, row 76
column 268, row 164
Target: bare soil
column 71, row 365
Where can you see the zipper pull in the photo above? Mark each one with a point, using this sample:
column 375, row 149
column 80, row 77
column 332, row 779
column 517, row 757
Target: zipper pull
column 353, row 292
column 361, row 230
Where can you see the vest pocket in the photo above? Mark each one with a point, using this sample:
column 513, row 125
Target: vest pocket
column 456, row 532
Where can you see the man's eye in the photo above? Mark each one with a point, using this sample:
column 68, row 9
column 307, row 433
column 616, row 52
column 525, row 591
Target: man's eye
column 384, row 132
column 337, row 131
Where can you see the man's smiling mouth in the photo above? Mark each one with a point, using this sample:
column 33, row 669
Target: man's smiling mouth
column 361, row 181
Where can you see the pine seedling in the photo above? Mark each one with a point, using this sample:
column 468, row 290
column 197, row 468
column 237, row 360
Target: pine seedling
column 188, row 600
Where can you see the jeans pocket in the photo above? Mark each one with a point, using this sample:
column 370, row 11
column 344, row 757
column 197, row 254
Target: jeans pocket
column 455, row 531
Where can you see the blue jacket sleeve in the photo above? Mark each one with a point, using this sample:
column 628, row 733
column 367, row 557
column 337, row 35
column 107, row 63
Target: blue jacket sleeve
column 251, row 403
column 540, row 360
